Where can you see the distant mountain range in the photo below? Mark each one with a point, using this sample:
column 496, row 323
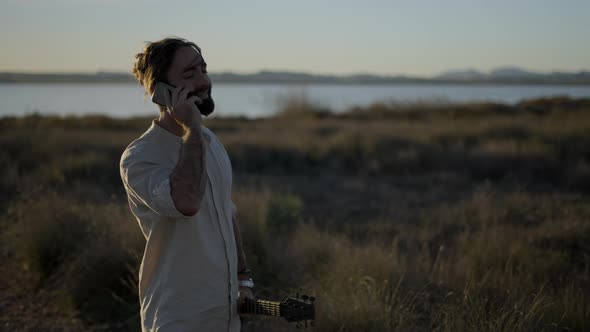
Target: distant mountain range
column 514, row 75
column 506, row 75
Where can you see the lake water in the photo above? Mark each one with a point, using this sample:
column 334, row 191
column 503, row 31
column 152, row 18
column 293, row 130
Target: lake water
column 255, row 100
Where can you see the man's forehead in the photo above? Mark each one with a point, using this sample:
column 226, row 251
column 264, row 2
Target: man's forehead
column 189, row 55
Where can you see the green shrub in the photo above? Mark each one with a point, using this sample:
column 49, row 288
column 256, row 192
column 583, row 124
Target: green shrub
column 85, row 254
column 284, row 214
column 47, row 232
column 251, row 215
column 100, row 283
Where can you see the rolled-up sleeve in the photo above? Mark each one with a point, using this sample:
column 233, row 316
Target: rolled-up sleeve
column 148, row 183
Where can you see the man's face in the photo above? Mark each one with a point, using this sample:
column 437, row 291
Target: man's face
column 189, row 69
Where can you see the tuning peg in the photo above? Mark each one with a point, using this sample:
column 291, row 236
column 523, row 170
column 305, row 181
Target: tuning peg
column 305, row 297
column 311, row 298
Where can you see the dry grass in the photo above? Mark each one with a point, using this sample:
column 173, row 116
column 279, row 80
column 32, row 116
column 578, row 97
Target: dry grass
column 429, row 217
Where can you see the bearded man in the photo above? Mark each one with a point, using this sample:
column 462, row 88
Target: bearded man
column 178, row 179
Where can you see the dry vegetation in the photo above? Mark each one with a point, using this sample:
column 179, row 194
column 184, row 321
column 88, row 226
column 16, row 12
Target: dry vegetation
column 408, row 217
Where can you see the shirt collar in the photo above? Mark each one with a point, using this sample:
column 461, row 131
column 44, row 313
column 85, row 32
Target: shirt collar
column 163, row 135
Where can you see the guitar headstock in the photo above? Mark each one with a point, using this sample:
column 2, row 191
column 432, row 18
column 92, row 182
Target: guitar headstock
column 298, row 308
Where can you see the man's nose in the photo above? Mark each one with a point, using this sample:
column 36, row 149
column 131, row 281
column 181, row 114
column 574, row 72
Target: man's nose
column 201, row 83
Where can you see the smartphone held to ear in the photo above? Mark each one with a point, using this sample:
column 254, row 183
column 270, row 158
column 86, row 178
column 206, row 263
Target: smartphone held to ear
column 163, row 97
column 163, row 94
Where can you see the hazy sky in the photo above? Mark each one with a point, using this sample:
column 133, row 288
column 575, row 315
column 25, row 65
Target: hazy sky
column 332, row 37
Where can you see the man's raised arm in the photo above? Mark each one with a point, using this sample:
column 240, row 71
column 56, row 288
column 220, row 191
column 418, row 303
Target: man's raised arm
column 187, row 181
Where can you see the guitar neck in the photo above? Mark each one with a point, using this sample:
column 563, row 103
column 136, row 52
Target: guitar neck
column 261, row 307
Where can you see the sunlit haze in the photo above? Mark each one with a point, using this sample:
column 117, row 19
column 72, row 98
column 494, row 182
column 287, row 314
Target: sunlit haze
column 420, row 38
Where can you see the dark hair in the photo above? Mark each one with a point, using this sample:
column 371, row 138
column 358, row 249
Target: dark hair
column 152, row 64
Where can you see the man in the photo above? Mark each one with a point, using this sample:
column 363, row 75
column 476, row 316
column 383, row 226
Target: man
column 178, row 179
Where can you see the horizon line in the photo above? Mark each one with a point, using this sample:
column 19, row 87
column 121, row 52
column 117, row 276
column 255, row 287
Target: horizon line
column 287, row 71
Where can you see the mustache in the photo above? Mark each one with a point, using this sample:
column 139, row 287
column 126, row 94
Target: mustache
column 208, row 105
column 199, row 93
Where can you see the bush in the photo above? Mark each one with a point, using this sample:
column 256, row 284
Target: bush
column 47, row 232
column 284, row 214
column 85, row 254
column 100, row 283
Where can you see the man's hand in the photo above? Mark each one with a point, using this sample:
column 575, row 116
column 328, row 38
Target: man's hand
column 184, row 110
column 243, row 293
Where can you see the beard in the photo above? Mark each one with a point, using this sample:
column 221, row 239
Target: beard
column 207, row 106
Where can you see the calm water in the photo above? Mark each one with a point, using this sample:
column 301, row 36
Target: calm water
column 127, row 99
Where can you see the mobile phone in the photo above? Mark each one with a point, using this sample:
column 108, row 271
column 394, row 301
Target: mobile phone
column 163, row 96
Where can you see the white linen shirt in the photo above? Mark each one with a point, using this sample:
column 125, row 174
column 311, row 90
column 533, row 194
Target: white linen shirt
column 188, row 274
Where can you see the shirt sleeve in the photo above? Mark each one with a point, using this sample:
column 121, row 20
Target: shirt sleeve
column 148, row 183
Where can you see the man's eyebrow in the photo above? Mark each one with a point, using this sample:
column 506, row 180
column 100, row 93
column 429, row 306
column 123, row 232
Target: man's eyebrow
column 194, row 63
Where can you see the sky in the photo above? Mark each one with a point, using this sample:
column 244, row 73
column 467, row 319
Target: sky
column 418, row 38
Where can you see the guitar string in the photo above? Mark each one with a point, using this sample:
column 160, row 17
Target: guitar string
column 263, row 307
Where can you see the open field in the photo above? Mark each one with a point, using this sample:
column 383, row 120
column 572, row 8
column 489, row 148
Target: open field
column 408, row 217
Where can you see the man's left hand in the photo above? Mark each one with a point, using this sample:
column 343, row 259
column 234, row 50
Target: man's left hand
column 243, row 293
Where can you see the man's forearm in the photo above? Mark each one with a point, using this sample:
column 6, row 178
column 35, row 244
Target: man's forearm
column 187, row 181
